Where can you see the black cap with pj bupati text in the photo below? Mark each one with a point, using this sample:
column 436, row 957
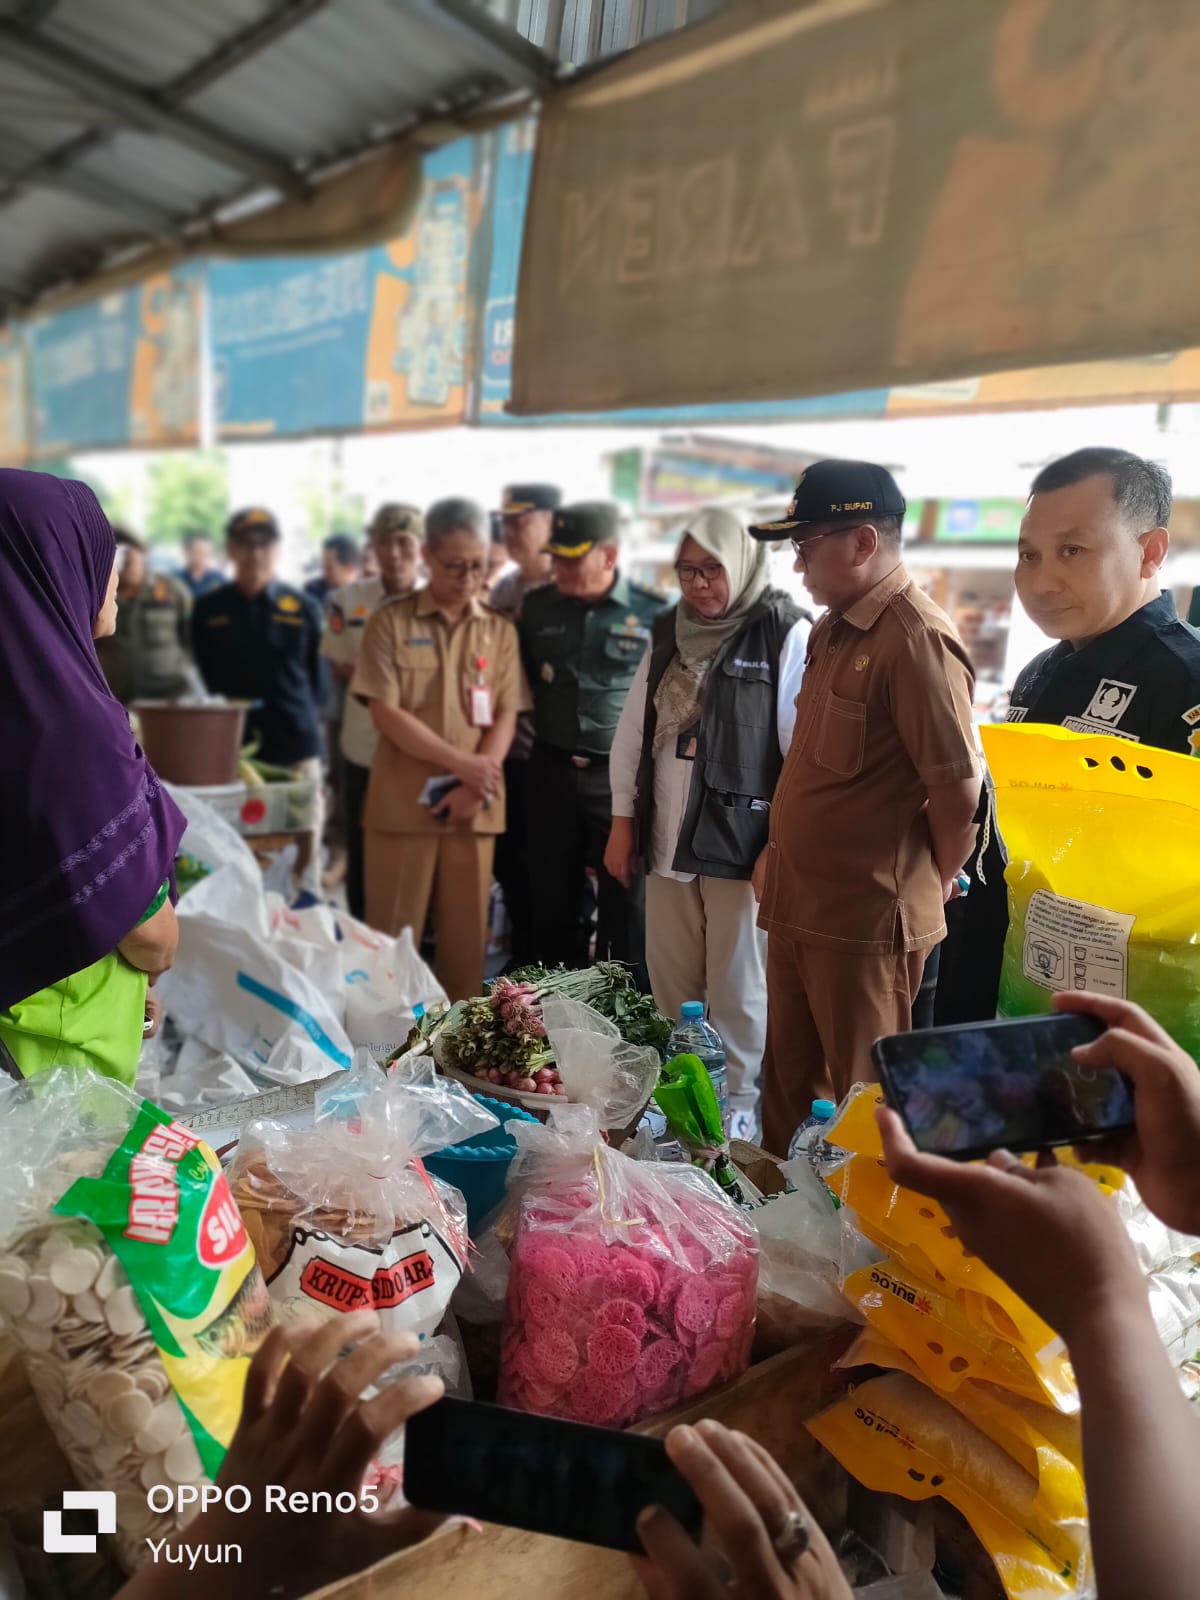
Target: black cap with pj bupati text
column 837, row 491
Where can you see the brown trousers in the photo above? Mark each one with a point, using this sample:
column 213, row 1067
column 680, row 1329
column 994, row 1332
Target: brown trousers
column 407, row 873
column 825, row 1009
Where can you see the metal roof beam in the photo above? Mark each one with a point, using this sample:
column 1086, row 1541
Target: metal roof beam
column 110, row 196
column 242, row 47
column 144, row 110
column 17, row 105
column 487, row 43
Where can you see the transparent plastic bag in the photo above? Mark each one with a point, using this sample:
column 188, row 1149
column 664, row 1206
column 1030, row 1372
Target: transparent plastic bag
column 597, row 1067
column 632, row 1283
column 129, row 1286
column 343, row 1213
column 802, row 1260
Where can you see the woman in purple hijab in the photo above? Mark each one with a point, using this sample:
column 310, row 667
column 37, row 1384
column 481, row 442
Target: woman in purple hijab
column 87, row 833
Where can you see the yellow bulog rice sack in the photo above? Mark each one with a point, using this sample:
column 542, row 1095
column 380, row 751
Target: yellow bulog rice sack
column 947, row 1345
column 896, row 1437
column 1103, row 875
column 1037, row 1437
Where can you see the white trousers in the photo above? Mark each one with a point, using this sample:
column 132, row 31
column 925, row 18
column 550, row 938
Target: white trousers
column 703, row 943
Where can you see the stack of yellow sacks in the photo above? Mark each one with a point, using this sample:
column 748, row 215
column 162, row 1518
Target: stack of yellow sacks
column 979, row 1406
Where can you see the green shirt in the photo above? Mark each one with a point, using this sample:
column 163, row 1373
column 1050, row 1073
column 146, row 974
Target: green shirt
column 580, row 657
column 95, row 1018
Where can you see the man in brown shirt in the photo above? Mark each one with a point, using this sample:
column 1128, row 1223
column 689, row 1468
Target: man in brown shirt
column 442, row 676
column 873, row 815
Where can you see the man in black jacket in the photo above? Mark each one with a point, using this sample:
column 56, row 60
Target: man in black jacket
column 1093, row 543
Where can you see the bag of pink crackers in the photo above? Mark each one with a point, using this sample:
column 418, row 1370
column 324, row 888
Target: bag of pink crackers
column 632, row 1283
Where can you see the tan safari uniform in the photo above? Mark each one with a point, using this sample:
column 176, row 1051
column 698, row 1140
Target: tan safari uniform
column 853, row 899
column 414, row 659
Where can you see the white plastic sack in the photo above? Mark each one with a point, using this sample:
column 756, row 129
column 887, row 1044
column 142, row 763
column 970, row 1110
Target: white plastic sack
column 209, row 837
column 232, row 988
column 309, row 940
column 385, row 981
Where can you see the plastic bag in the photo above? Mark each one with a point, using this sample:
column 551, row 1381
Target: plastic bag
column 1020, row 1427
column 597, row 1067
column 632, row 1283
column 209, row 839
column 232, row 987
column 948, row 1345
column 800, row 1240
column 130, row 1287
column 896, row 1437
column 342, row 1212
column 1090, row 905
column 686, row 1097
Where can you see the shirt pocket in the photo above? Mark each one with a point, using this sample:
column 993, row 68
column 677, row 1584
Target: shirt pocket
column 754, row 700
column 625, row 649
column 416, row 679
column 842, row 736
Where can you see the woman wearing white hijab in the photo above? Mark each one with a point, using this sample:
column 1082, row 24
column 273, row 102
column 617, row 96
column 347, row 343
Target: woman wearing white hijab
column 698, row 748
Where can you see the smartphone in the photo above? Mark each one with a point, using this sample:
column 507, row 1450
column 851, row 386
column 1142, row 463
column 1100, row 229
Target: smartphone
column 567, row 1479
column 966, row 1090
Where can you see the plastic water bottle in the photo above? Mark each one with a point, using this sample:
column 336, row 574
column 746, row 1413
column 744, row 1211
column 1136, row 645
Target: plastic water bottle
column 809, row 1137
column 692, row 1033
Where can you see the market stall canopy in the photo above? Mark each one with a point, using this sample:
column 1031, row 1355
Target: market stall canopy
column 799, row 199
column 130, row 126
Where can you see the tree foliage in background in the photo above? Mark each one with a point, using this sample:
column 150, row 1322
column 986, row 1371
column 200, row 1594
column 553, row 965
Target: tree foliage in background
column 185, row 492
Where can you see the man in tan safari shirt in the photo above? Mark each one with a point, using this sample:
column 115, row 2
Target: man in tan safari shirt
column 442, row 677
column 873, row 815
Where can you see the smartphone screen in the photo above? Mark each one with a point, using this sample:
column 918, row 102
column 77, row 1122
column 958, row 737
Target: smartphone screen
column 541, row 1474
column 967, row 1090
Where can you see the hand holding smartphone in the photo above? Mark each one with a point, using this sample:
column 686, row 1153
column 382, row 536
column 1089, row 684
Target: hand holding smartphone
column 541, row 1474
column 967, row 1090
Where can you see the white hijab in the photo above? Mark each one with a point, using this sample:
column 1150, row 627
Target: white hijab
column 747, row 563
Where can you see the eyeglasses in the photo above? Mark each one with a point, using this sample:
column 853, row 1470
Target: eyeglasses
column 710, row 572
column 801, row 546
column 462, row 569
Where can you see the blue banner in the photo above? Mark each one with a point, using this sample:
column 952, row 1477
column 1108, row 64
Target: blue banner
column 370, row 338
column 511, row 175
column 119, row 371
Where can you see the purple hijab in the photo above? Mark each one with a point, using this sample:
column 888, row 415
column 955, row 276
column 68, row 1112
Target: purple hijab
column 87, row 832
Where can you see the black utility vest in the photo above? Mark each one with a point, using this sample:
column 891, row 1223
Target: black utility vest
column 737, row 745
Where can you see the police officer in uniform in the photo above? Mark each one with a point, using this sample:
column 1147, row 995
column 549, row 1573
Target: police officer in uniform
column 581, row 641
column 1093, row 542
column 149, row 656
column 258, row 639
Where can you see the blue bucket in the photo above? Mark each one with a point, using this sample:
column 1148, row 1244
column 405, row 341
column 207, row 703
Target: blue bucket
column 479, row 1165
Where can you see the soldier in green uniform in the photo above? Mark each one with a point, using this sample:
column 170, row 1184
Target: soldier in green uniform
column 149, row 657
column 581, row 640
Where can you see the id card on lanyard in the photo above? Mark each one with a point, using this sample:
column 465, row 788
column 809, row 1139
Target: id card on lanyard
column 480, row 697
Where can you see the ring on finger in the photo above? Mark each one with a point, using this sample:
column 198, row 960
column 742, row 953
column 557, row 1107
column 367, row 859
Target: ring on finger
column 792, row 1538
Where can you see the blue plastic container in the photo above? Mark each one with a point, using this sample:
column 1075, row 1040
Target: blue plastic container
column 479, row 1166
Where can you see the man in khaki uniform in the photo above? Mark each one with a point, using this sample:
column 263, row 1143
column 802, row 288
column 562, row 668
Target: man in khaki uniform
column 149, row 657
column 442, row 677
column 873, row 815
column 395, row 536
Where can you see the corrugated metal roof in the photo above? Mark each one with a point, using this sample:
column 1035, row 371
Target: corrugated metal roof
column 124, row 120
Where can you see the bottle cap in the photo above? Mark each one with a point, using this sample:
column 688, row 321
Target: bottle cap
column 692, row 1008
column 823, row 1109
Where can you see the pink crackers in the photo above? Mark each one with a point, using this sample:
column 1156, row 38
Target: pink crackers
column 626, row 1296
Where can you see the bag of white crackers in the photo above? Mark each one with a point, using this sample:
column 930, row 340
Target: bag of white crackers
column 130, row 1287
